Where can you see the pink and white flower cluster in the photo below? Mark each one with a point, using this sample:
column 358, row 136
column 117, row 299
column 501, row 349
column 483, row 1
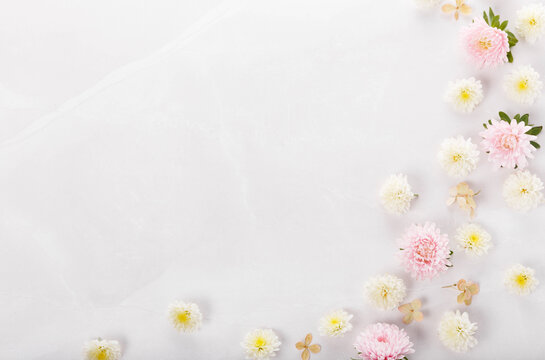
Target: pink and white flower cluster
column 507, row 144
column 383, row 342
column 424, row 251
column 486, row 46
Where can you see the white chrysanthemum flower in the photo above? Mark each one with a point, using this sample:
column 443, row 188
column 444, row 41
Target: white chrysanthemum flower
column 385, row 292
column 102, row 350
column 184, row 316
column 523, row 85
column 523, row 191
column 396, row 194
column 473, row 239
column 530, row 22
column 426, row 4
column 261, row 344
column 520, row 280
column 464, row 94
column 335, row 324
column 458, row 156
column 456, row 331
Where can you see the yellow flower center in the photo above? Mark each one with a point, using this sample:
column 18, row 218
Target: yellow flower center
column 260, row 342
column 523, row 85
column 524, row 191
column 183, row 317
column 334, row 321
column 485, row 43
column 521, row 280
column 456, row 157
column 532, row 22
column 465, row 95
column 385, row 292
column 474, row 239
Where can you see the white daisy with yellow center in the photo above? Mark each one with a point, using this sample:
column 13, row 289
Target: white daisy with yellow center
column 530, row 22
column 520, row 280
column 396, row 194
column 184, row 316
column 523, row 191
column 335, row 324
column 523, row 85
column 458, row 156
column 385, row 292
column 261, row 344
column 473, row 239
column 456, row 331
column 464, row 94
column 100, row 349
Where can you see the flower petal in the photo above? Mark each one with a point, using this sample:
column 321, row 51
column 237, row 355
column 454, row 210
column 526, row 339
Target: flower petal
column 418, row 316
column 299, row 346
column 315, row 348
column 407, row 319
column 465, row 9
column 416, row 304
column 448, row 8
column 305, row 355
column 308, row 339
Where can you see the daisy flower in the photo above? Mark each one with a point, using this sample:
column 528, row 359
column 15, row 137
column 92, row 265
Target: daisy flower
column 508, row 144
column 464, row 94
column 102, row 350
column 396, row 194
column 335, row 324
column 530, row 22
column 385, row 292
column 520, row 280
column 486, row 46
column 383, row 342
column 424, row 251
column 458, row 156
column 523, row 85
column 523, row 191
column 185, row 317
column 456, row 331
column 426, row 4
column 473, row 239
column 261, row 344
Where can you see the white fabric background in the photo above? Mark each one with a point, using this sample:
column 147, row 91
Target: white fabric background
column 230, row 153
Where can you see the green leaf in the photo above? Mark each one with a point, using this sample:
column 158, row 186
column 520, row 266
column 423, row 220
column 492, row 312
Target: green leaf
column 503, row 25
column 490, row 122
column 535, row 130
column 505, row 117
column 486, row 127
column 510, row 57
column 485, row 17
column 534, row 144
column 496, row 21
column 525, row 118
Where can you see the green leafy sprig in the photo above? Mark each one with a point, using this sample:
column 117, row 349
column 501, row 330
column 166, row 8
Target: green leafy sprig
column 494, row 21
column 534, row 130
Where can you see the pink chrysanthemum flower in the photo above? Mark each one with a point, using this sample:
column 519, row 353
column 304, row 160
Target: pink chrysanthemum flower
column 485, row 45
column 507, row 144
column 383, row 342
column 424, row 251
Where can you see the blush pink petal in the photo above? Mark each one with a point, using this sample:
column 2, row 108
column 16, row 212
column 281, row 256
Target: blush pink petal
column 425, row 251
column 508, row 145
column 485, row 45
column 383, row 342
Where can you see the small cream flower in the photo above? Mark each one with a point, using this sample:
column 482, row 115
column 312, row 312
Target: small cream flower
column 456, row 331
column 473, row 239
column 464, row 94
column 530, row 22
column 261, row 344
column 520, row 280
column 396, row 194
column 458, row 156
column 185, row 317
column 102, row 350
column 523, row 85
column 523, row 191
column 335, row 324
column 385, row 292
